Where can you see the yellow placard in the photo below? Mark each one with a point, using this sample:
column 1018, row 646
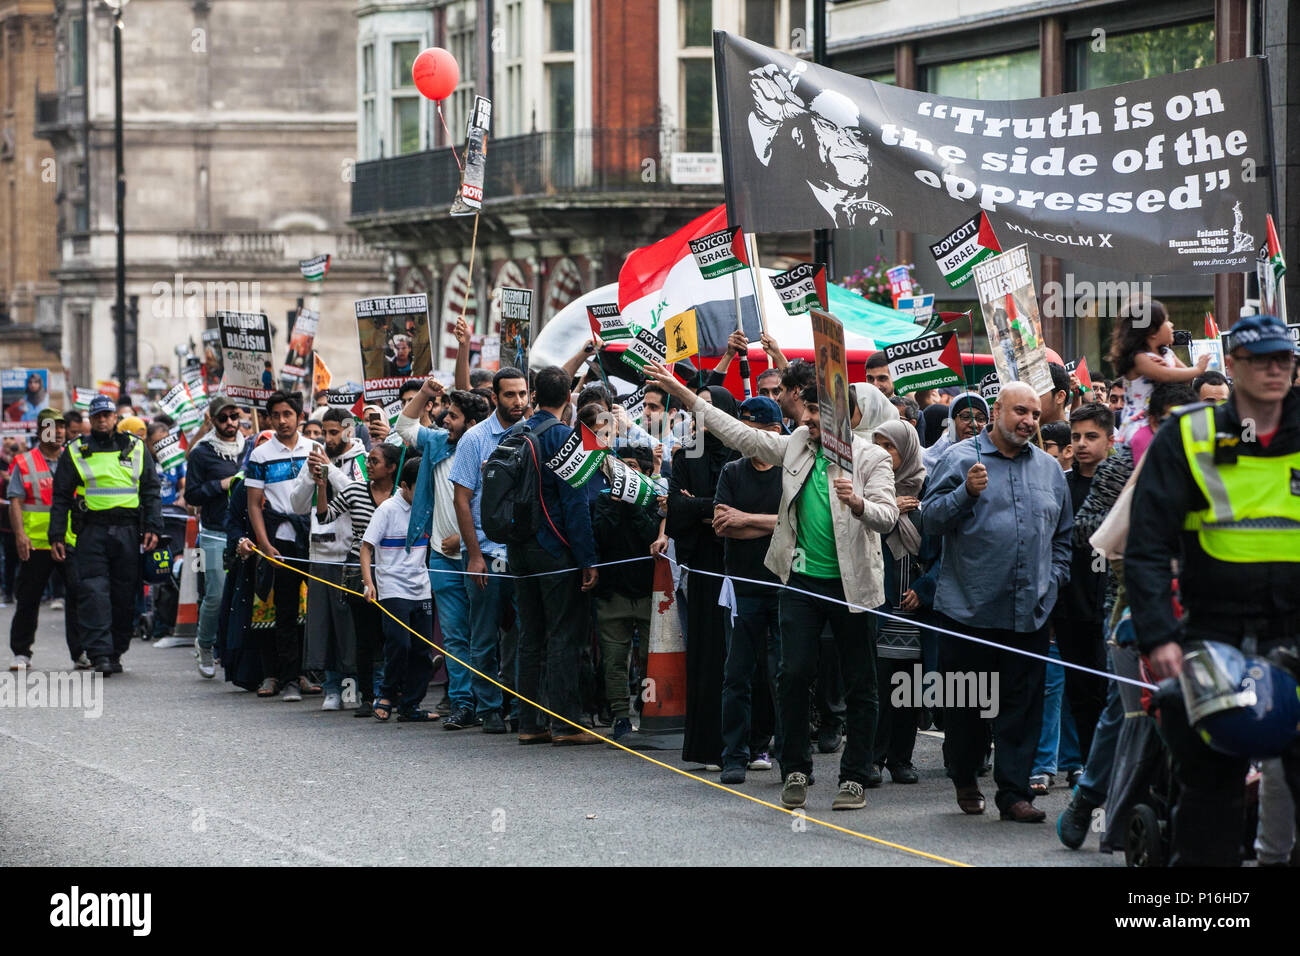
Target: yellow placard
column 681, row 336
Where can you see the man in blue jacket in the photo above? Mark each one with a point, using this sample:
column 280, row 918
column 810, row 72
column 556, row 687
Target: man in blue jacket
column 553, row 609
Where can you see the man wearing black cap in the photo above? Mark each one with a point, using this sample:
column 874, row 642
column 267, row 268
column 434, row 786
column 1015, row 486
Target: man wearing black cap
column 1220, row 490
column 110, row 480
column 30, row 495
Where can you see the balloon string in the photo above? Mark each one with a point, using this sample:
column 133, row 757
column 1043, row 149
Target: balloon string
column 438, row 107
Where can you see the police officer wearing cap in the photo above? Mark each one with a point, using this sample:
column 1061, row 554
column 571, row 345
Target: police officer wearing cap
column 1219, row 492
column 31, row 497
column 109, row 479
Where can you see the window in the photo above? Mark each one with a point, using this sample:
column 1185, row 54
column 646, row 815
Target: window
column 798, row 21
column 760, row 21
column 460, row 43
column 76, row 53
column 697, row 105
column 1006, row 76
column 696, row 18
column 1142, row 55
column 80, row 218
column 889, row 79
column 559, row 26
column 404, row 131
column 369, row 115
column 559, row 88
column 513, row 116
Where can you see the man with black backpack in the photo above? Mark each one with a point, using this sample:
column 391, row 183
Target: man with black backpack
column 489, row 593
column 548, row 525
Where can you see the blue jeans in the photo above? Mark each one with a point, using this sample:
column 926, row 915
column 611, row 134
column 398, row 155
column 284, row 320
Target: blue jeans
column 1058, row 741
column 213, row 546
column 452, row 602
column 753, row 649
column 1101, row 758
column 485, row 606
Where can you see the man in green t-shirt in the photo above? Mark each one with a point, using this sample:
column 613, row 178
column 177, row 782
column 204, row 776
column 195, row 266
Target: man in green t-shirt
column 826, row 550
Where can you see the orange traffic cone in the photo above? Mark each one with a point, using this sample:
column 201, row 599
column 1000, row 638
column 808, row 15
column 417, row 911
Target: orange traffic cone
column 187, row 608
column 663, row 691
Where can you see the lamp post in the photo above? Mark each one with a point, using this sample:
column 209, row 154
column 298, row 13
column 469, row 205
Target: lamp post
column 119, row 309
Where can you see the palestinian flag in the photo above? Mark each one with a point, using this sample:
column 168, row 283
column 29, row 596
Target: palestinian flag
column 314, row 269
column 971, row 242
column 931, row 361
column 578, row 458
column 802, row 288
column 944, row 322
column 83, row 397
column 1270, row 270
column 628, row 484
column 607, row 322
column 1080, row 370
column 661, row 280
column 1211, row 327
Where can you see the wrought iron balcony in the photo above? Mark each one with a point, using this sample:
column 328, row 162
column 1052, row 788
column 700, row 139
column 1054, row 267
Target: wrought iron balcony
column 556, row 163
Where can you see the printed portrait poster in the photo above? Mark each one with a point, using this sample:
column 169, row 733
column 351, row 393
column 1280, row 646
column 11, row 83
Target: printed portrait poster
column 516, row 328
column 246, row 355
column 212, row 362
column 394, row 335
column 24, row 393
column 833, row 388
column 298, row 362
column 1005, row 285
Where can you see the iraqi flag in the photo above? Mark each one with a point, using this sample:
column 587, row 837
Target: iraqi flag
column 662, row 280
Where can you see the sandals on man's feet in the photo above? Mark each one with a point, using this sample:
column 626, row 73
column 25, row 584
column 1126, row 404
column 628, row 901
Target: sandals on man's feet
column 382, row 708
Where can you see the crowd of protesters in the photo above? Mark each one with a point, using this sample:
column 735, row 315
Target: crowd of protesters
column 343, row 555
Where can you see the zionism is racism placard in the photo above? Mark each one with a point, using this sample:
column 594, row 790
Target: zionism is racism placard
column 1144, row 176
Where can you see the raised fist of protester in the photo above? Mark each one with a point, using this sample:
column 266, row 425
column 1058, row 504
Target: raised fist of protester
column 844, row 491
column 664, row 376
column 431, row 388
column 977, row 479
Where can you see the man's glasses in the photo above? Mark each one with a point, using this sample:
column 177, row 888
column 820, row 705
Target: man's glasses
column 1280, row 360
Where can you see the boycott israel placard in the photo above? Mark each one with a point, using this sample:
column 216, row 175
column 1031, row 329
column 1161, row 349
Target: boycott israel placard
column 644, row 347
column 469, row 198
column 634, row 404
column 178, row 404
column 394, row 335
column 198, row 389
column 246, row 355
column 1005, row 286
column 833, row 388
column 315, row 268
column 607, row 322
column 1154, row 176
column 932, row 361
column 958, row 252
column 720, row 253
column 516, row 327
column 628, row 484
column 989, row 388
column 578, row 458
column 170, row 451
column 300, row 344
column 802, row 288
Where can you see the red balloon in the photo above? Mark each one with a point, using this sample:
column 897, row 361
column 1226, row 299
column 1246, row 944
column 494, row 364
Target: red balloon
column 436, row 73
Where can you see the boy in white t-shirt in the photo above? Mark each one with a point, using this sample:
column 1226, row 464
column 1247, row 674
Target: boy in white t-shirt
column 403, row 589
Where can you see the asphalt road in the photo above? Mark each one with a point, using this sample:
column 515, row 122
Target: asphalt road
column 183, row 771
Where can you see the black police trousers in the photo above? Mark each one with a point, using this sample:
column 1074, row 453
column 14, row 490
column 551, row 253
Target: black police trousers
column 108, row 572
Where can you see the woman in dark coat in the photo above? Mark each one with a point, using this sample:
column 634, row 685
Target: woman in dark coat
column 690, row 524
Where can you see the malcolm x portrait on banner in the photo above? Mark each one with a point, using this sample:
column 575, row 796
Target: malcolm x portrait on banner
column 823, row 138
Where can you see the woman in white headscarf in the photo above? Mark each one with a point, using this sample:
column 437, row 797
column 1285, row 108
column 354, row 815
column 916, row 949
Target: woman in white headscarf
column 968, row 413
column 873, row 409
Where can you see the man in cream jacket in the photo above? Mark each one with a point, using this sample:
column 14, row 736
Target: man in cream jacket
column 826, row 550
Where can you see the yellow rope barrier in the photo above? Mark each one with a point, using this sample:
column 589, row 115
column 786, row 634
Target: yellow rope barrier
column 635, row 753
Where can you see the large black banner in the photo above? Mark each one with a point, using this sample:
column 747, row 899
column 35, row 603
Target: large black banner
column 1166, row 175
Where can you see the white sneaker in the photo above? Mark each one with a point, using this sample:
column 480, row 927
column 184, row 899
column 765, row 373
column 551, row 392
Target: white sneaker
column 20, row 662
column 207, row 666
column 56, row 604
column 174, row 642
column 332, row 702
column 761, row 762
column 84, row 662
